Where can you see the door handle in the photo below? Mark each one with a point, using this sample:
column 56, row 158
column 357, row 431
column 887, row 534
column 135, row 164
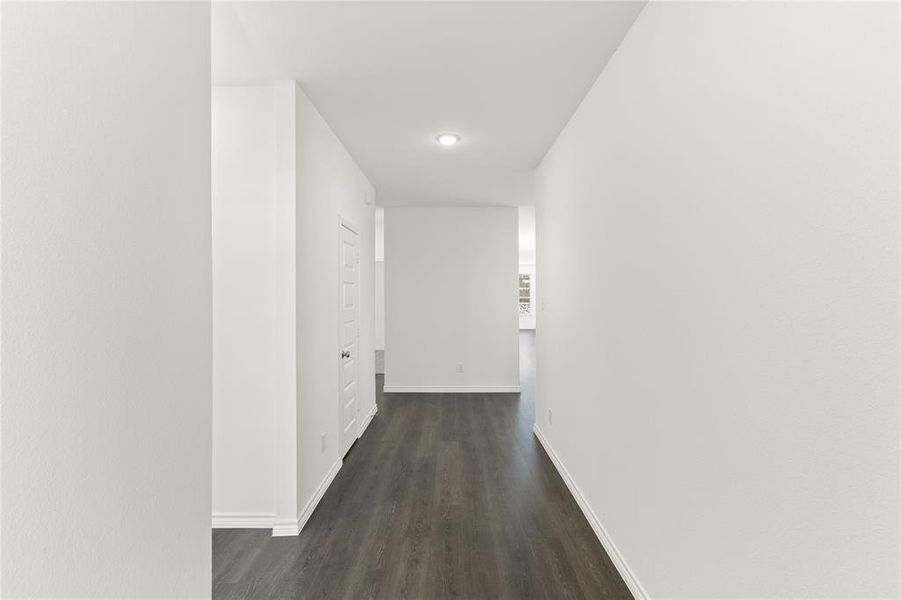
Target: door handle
column 345, row 354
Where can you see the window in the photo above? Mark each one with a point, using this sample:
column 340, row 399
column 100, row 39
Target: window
column 525, row 294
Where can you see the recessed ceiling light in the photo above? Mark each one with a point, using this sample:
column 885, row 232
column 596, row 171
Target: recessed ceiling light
column 447, row 139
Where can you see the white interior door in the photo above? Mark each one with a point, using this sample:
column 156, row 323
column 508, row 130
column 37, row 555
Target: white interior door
column 349, row 337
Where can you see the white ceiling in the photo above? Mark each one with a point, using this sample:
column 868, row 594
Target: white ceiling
column 389, row 76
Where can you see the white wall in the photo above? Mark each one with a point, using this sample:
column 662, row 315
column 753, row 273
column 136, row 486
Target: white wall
column 245, row 321
column 379, row 278
column 380, row 305
column 329, row 185
column 106, row 300
column 287, row 413
column 379, row 234
column 526, row 234
column 718, row 249
column 281, row 181
column 451, row 299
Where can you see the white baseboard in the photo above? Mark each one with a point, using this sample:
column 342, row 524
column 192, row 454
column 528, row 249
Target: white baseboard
column 365, row 424
column 243, row 520
column 285, row 528
column 452, row 389
column 288, row 528
column 612, row 551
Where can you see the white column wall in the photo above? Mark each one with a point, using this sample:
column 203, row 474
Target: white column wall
column 719, row 328
column 106, row 322
column 451, row 300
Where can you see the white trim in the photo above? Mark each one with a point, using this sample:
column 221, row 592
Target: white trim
column 452, row 389
column 285, row 528
column 288, row 528
column 307, row 511
column 365, row 424
column 613, row 552
column 243, row 520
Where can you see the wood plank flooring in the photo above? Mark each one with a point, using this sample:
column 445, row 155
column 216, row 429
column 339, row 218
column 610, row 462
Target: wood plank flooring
column 444, row 496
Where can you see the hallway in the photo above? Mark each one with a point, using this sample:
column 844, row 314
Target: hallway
column 214, row 214
column 442, row 497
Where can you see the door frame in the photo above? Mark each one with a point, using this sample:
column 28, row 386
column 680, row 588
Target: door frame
column 344, row 223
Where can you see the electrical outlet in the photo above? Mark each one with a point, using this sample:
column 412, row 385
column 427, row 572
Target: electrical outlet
column 550, row 417
column 324, row 442
column 459, row 367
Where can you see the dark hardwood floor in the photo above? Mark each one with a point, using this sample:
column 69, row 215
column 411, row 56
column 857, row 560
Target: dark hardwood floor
column 444, row 496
